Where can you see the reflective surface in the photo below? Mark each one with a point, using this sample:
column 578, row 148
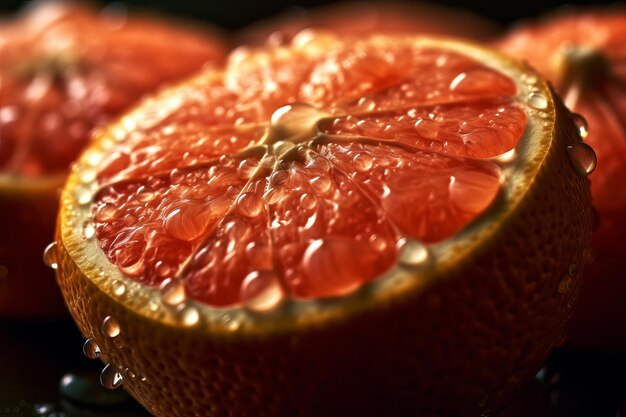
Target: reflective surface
column 43, row 372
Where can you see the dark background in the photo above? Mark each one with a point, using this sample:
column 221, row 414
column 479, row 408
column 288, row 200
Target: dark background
column 233, row 14
column 34, row 357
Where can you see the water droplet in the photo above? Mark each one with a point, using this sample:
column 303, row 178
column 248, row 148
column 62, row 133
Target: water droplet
column 537, row 100
column 295, row 121
column 177, row 176
column 145, row 194
column 363, row 162
column 247, row 167
column 83, row 196
column 506, row 157
column 91, row 349
column 189, row 221
column 189, row 316
column 87, row 175
column 90, row 231
column 378, row 242
column 261, row 291
column 110, row 327
column 565, row 284
column 529, row 79
column 50, row 255
column 282, row 146
column 426, row 128
column 173, row 292
column 583, row 158
column 119, row 288
column 413, row 254
column 322, row 184
column 249, row 204
column 308, row 201
column 110, row 378
column 581, row 124
column 366, row 104
column 105, row 212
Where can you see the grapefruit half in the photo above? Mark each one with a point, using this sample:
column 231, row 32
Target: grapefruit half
column 582, row 52
column 65, row 70
column 390, row 225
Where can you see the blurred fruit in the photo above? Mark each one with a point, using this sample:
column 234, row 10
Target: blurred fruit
column 66, row 69
column 584, row 54
column 355, row 226
column 370, row 17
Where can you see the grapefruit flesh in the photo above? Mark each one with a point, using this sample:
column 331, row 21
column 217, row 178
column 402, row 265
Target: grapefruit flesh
column 67, row 69
column 582, row 53
column 251, row 230
column 313, row 174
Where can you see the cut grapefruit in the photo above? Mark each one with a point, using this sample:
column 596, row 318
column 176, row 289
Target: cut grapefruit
column 66, row 69
column 583, row 54
column 362, row 18
column 357, row 226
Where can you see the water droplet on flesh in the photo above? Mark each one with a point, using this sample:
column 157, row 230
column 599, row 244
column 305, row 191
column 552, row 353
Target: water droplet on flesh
column 581, row 124
column 50, row 256
column 249, row 204
column 173, row 292
column 105, row 212
column 413, row 254
column 363, row 162
column 91, row 349
column 426, row 128
column 583, row 158
column 537, row 100
column 110, row 327
column 110, row 378
column 308, row 201
column 261, row 291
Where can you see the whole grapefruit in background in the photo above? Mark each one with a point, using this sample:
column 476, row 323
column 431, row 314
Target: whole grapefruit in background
column 66, row 69
column 583, row 53
column 370, row 17
column 388, row 225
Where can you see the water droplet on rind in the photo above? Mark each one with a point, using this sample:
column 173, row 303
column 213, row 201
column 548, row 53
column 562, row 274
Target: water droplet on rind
column 172, row 292
column 537, row 100
column 50, row 256
column 413, row 254
column 110, row 327
column 110, row 378
column 119, row 288
column 91, row 349
column 189, row 316
column 583, row 158
column 261, row 291
column 581, row 124
column 565, row 285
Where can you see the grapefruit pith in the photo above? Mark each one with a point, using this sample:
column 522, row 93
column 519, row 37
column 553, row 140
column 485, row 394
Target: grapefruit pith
column 65, row 70
column 333, row 227
column 582, row 53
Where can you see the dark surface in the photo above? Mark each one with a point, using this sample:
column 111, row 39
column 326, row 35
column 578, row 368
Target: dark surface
column 34, row 358
column 234, row 14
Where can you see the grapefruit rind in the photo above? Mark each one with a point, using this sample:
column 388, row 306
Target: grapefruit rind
column 399, row 282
